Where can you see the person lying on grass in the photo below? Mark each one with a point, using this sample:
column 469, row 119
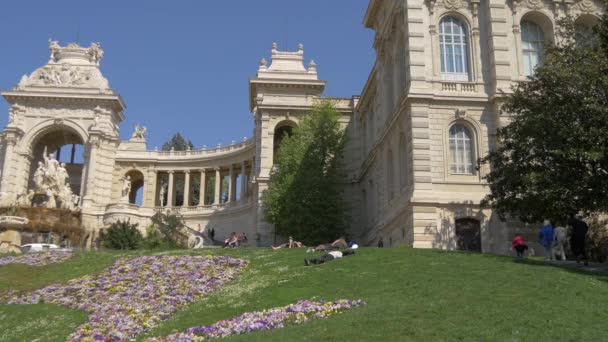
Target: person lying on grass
column 338, row 244
column 291, row 244
column 328, row 257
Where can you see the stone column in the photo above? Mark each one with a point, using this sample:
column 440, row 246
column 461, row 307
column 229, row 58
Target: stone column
column 218, row 183
column 243, row 180
column 8, row 157
column 170, row 190
column 150, row 189
column 91, row 166
column 203, row 188
column 231, row 184
column 186, row 188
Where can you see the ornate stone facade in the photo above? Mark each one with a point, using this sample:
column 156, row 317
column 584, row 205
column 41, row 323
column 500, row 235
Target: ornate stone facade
column 411, row 188
column 428, row 110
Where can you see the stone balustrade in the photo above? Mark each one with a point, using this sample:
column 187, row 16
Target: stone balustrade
column 458, row 87
column 198, row 154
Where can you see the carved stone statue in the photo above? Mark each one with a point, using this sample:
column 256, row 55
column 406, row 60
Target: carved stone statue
column 52, row 179
column 51, row 165
column 25, row 199
column 96, row 120
column 162, row 194
column 75, row 200
column 50, row 202
column 62, row 175
column 54, row 48
column 39, row 178
column 95, row 53
column 126, row 188
column 12, row 116
column 139, row 132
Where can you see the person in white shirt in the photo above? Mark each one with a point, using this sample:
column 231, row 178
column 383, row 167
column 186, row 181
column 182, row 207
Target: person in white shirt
column 329, row 257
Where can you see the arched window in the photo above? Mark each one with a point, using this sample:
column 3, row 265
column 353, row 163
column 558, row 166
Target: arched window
column 390, row 188
column 584, row 35
column 454, row 50
column 532, row 43
column 402, row 161
column 461, row 150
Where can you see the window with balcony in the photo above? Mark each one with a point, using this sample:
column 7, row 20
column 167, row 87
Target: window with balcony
column 454, row 50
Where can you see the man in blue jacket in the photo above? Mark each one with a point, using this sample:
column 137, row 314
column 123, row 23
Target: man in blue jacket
column 546, row 239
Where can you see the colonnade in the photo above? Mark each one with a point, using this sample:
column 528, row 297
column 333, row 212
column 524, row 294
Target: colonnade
column 166, row 185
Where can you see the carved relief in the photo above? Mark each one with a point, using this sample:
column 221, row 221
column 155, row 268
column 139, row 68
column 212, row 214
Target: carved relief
column 64, row 75
column 535, row 4
column 453, row 4
column 587, row 6
column 460, row 113
column 56, row 110
column 70, row 66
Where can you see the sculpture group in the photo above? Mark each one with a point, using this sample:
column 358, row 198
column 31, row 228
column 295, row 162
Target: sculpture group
column 51, row 179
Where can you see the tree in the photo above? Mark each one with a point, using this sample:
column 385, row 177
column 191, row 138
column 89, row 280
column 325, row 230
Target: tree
column 178, row 143
column 168, row 227
column 552, row 158
column 304, row 198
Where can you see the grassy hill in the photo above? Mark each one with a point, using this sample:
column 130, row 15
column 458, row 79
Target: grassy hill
column 411, row 294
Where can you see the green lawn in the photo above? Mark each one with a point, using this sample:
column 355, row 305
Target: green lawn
column 411, row 294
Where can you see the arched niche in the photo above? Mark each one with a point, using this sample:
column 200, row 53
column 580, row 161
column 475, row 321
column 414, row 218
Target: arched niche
column 66, row 145
column 281, row 130
column 137, row 186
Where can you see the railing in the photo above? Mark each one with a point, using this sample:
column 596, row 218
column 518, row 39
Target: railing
column 211, row 208
column 463, row 87
column 219, row 150
column 205, row 150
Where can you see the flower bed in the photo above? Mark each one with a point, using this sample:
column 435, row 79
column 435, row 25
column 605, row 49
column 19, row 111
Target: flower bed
column 298, row 313
column 134, row 295
column 37, row 259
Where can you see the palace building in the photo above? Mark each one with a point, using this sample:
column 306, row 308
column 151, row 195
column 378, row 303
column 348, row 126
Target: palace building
column 428, row 111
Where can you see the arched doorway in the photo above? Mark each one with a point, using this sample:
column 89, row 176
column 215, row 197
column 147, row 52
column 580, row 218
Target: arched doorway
column 137, row 187
column 65, row 146
column 468, row 235
column 282, row 130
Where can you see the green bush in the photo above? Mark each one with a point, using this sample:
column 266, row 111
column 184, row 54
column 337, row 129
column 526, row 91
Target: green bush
column 123, row 235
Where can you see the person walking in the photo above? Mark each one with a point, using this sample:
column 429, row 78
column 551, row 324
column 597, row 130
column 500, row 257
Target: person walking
column 546, row 239
column 577, row 240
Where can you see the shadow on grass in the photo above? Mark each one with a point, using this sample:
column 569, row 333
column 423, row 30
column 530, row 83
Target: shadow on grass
column 600, row 271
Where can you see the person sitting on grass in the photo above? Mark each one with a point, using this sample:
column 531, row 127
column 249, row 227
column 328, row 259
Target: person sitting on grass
column 519, row 245
column 231, row 241
column 291, row 244
column 328, row 257
column 241, row 239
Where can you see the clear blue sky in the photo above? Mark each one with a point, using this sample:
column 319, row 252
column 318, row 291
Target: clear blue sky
column 183, row 65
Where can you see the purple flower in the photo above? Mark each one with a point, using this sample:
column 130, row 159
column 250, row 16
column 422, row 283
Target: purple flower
column 37, row 259
column 135, row 294
column 274, row 318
